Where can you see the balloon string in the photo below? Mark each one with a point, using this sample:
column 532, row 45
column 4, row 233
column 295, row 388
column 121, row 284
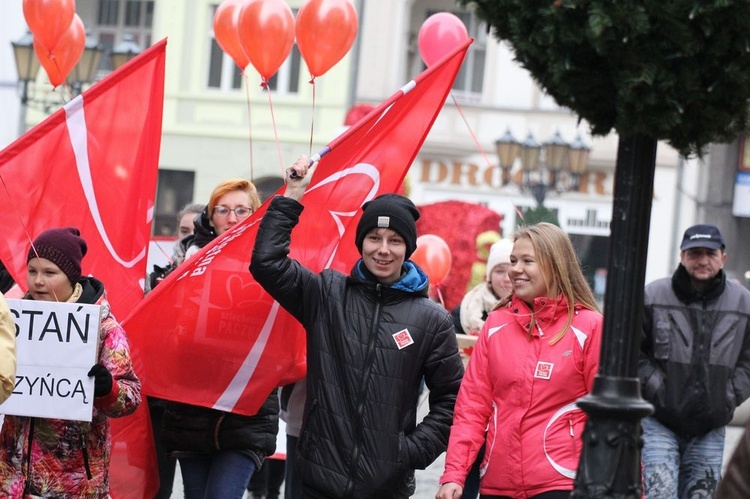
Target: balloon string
column 473, row 135
column 23, row 225
column 440, row 295
column 264, row 84
column 163, row 251
column 312, row 121
column 249, row 125
column 479, row 146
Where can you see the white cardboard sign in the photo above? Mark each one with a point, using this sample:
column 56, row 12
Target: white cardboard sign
column 56, row 346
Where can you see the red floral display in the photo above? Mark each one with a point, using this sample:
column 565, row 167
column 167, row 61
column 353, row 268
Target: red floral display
column 459, row 224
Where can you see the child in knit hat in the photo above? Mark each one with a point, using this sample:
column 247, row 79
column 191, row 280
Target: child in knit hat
column 61, row 458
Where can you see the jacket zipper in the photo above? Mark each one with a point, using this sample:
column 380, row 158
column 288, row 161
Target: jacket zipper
column 216, row 431
column 357, row 448
column 85, row 457
column 677, row 328
column 27, row 485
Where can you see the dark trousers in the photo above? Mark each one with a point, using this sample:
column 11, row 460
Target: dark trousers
column 164, row 462
column 292, row 489
column 471, row 485
column 266, row 482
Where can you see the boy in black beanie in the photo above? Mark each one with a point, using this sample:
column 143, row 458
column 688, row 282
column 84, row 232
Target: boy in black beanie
column 371, row 337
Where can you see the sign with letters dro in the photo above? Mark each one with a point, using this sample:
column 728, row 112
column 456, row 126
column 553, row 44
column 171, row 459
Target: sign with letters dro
column 56, row 345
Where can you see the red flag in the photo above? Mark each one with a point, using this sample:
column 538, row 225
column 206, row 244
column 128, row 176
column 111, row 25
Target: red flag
column 91, row 165
column 208, row 334
column 94, row 165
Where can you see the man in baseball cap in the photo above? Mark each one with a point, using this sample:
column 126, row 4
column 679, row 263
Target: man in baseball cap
column 694, row 365
column 702, row 236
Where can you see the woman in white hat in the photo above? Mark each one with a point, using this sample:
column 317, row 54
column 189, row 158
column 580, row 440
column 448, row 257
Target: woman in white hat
column 480, row 300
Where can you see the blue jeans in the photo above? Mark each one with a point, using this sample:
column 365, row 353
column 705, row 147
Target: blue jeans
column 223, row 475
column 676, row 467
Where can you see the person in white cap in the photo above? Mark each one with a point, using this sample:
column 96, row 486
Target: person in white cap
column 478, row 302
column 694, row 367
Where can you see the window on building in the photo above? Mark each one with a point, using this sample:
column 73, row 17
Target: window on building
column 116, row 18
column 286, row 80
column 471, row 76
column 173, row 191
column 224, row 74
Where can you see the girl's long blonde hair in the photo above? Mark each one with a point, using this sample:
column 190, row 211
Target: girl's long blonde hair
column 560, row 267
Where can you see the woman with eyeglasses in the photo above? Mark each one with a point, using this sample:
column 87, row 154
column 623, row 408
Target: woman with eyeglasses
column 219, row 451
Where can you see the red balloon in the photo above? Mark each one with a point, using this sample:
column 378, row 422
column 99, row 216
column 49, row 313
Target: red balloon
column 226, row 20
column 439, row 35
column 48, row 20
column 266, row 30
column 434, row 257
column 325, row 30
column 61, row 61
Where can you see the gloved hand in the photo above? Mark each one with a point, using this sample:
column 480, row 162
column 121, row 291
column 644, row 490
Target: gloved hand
column 102, row 380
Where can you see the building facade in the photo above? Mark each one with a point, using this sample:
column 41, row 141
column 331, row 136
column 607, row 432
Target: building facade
column 220, row 124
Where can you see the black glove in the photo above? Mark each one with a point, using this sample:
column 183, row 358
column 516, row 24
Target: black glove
column 102, row 380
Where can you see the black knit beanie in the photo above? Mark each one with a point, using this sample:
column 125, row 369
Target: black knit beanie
column 393, row 212
column 64, row 247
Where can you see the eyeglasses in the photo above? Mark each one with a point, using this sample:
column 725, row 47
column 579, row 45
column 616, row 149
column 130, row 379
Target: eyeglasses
column 239, row 212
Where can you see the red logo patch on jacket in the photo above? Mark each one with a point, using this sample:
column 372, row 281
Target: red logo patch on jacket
column 543, row 370
column 403, row 339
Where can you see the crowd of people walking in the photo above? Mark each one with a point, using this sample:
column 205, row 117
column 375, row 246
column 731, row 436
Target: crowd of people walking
column 508, row 418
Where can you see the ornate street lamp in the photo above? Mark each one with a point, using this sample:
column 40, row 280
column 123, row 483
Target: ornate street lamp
column 530, row 152
column 578, row 160
column 554, row 166
column 85, row 70
column 507, row 151
column 27, row 64
column 124, row 51
column 555, row 153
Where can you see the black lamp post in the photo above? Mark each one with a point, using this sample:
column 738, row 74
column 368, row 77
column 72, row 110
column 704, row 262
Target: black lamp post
column 555, row 166
column 124, row 51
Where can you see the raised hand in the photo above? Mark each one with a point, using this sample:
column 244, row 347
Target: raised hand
column 298, row 177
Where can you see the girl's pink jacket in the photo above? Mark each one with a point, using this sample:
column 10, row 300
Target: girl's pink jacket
column 519, row 394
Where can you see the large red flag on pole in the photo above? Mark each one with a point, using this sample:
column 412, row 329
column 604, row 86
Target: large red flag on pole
column 209, row 335
column 94, row 165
